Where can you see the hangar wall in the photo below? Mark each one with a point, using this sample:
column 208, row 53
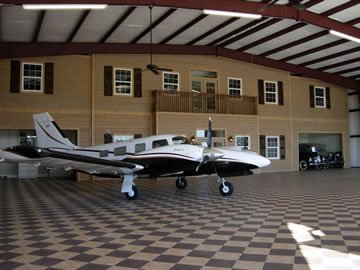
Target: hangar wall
column 78, row 102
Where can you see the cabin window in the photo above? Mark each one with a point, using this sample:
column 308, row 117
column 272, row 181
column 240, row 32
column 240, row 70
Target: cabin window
column 139, row 147
column 104, row 153
column 32, row 77
column 171, row 81
column 159, row 143
column 272, row 147
column 234, row 86
column 122, row 138
column 123, row 81
column 271, row 92
column 243, row 142
column 180, row 140
column 120, row 151
column 320, row 97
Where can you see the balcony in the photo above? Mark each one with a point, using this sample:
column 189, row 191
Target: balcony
column 194, row 102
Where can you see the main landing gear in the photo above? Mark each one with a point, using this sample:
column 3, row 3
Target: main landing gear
column 225, row 188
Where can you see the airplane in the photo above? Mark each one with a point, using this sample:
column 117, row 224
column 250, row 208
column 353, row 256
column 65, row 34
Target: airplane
column 151, row 157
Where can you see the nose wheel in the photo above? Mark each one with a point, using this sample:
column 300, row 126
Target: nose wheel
column 225, row 188
column 181, row 182
column 133, row 194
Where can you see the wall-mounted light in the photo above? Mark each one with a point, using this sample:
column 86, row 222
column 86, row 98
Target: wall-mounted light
column 345, row 36
column 192, row 139
column 232, row 14
column 231, row 139
column 65, row 6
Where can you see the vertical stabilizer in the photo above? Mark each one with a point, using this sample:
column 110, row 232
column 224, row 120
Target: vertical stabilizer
column 48, row 133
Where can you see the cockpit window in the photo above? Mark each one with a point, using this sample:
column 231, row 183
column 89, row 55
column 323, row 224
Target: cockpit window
column 159, row 143
column 180, row 140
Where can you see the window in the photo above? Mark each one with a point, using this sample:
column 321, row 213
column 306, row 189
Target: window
column 243, row 142
column 272, row 147
column 123, row 81
column 122, row 138
column 171, row 81
column 120, row 151
column 234, row 87
column 203, row 73
column 159, row 143
column 139, row 147
column 271, row 92
column 32, row 77
column 320, row 97
column 104, row 153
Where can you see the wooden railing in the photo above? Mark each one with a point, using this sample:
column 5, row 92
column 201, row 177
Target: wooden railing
column 193, row 102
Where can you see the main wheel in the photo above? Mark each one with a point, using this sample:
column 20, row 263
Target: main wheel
column 303, row 166
column 134, row 194
column 326, row 164
column 181, row 183
column 226, row 189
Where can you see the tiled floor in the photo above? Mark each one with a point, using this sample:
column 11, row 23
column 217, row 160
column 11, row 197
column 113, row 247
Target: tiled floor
column 296, row 220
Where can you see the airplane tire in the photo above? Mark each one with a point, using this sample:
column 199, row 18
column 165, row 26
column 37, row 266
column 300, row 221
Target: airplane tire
column 133, row 195
column 181, row 183
column 226, row 189
column 303, row 166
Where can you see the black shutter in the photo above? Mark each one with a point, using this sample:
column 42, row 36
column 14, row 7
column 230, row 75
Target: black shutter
column 137, row 82
column 281, row 93
column 282, row 147
column 261, row 91
column 108, row 81
column 262, row 145
column 328, row 105
column 312, row 96
column 49, row 78
column 15, row 77
column 108, row 138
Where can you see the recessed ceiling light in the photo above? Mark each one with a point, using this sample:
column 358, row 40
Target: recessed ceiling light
column 232, row 14
column 65, row 6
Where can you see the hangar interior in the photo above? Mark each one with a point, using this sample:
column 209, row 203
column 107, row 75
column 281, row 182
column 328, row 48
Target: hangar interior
column 138, row 68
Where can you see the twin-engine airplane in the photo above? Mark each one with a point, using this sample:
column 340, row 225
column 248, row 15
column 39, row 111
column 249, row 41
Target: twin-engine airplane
column 151, row 157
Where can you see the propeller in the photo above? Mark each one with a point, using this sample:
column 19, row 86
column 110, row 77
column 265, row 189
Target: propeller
column 294, row 3
column 153, row 68
column 209, row 155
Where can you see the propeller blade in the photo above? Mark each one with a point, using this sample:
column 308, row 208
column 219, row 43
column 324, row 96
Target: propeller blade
column 210, row 155
column 201, row 163
column 209, row 138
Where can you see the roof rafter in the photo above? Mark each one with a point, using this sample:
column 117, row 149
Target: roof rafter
column 117, row 24
column 184, row 28
column 212, row 31
column 38, row 25
column 18, row 49
column 78, row 25
column 348, row 62
column 275, row 35
column 153, row 25
column 347, row 70
column 340, row 8
column 236, row 31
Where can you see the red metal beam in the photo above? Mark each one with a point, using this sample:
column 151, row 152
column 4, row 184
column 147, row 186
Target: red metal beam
column 117, row 24
column 153, row 25
column 184, row 28
column 212, row 31
column 17, row 50
column 78, row 25
column 38, row 25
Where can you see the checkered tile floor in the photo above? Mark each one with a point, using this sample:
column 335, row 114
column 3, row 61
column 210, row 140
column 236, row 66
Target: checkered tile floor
column 307, row 220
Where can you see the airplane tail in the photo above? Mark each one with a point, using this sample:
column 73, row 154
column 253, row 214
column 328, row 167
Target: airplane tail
column 48, row 133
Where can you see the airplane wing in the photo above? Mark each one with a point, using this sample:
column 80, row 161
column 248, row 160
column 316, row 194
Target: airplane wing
column 68, row 161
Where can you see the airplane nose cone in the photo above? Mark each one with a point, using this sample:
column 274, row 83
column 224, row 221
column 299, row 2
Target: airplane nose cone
column 263, row 162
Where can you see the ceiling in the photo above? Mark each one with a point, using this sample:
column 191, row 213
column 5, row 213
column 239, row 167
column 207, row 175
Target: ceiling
column 287, row 39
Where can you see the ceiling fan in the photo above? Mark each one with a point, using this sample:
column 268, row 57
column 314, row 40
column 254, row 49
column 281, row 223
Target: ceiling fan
column 294, row 3
column 153, row 68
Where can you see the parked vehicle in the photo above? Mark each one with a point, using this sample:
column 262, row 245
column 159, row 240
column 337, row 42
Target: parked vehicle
column 312, row 155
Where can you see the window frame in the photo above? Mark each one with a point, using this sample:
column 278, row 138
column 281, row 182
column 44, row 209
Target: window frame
column 236, row 89
column 272, row 147
column 131, row 82
column 322, row 97
column 23, row 78
column 275, row 93
column 242, row 147
column 177, row 84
